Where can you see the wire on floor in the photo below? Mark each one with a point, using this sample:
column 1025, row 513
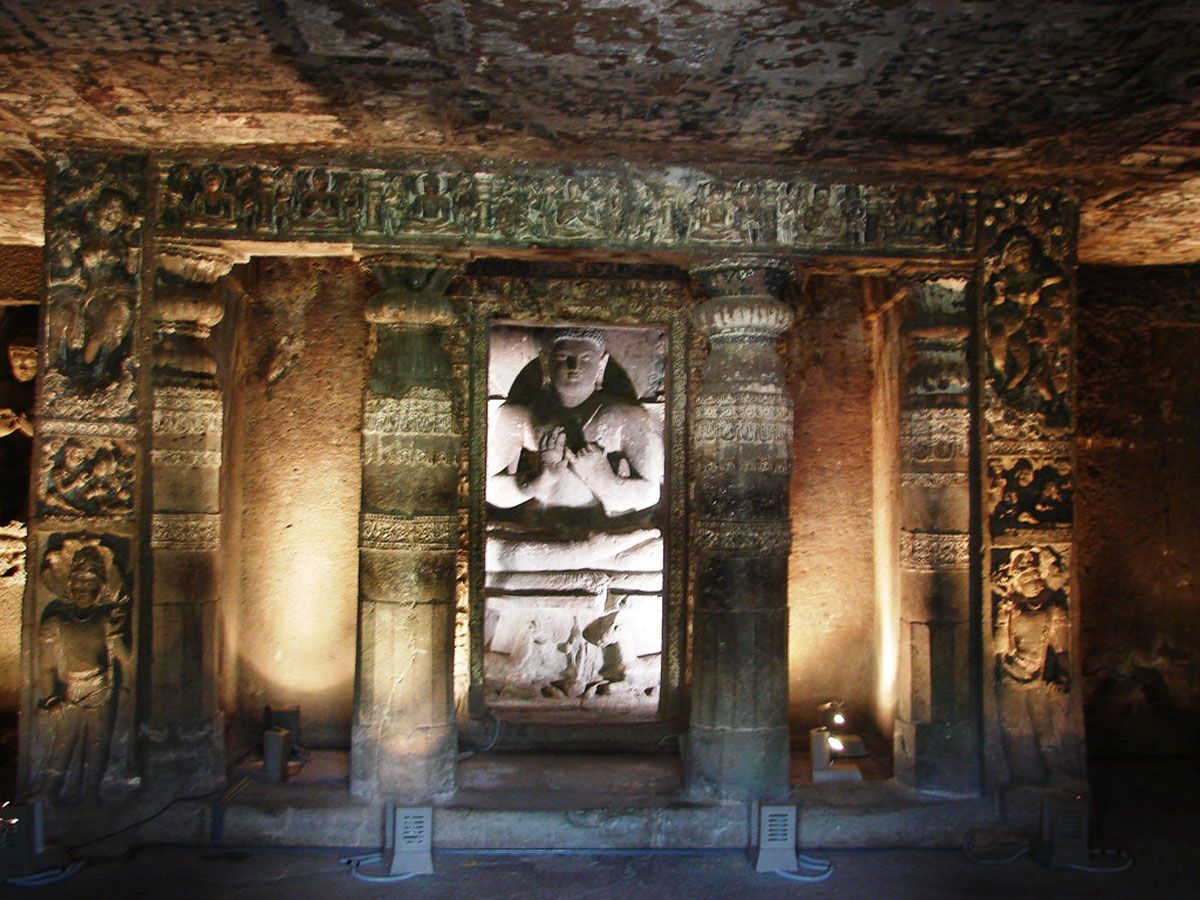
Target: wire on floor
column 810, row 870
column 355, row 863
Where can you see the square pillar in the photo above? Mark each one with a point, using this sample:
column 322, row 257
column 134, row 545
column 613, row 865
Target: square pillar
column 936, row 740
column 80, row 629
column 1026, row 370
column 405, row 743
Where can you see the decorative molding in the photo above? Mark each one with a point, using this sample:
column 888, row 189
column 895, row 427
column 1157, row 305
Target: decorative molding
column 187, row 412
column 928, row 551
column 46, row 426
column 743, row 538
column 423, row 411
column 191, row 459
column 185, row 531
column 602, row 207
column 935, row 435
column 934, row 480
column 379, row 531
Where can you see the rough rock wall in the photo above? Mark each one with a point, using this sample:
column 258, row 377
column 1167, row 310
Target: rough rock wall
column 1138, row 507
column 299, row 475
column 831, row 583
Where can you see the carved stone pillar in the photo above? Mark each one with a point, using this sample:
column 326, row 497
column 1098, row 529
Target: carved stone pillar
column 82, row 609
column 404, row 742
column 738, row 739
column 184, row 729
column 1031, row 658
column 937, row 726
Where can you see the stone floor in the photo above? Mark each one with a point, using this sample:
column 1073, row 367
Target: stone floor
column 1146, row 808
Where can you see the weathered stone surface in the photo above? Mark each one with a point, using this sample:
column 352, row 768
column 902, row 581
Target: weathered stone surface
column 1139, row 337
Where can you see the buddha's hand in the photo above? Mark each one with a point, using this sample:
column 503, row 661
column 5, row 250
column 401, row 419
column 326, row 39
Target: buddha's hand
column 552, row 451
column 591, row 465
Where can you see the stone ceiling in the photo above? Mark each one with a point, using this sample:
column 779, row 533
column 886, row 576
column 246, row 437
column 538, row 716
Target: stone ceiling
column 1101, row 94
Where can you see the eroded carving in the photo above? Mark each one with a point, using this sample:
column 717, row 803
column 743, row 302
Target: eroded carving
column 1028, row 336
column 12, row 551
column 186, row 531
column 186, row 412
column 84, row 671
column 1026, row 494
column 87, row 476
column 935, row 435
column 94, row 222
column 1032, row 638
column 743, row 538
column 930, row 551
column 616, row 208
column 378, row 531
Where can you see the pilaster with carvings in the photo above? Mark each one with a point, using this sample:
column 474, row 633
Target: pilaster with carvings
column 184, row 733
column 741, row 445
column 404, row 740
column 1026, row 366
column 936, row 716
column 81, row 613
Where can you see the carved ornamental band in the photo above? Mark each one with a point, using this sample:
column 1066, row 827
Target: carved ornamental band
column 386, row 532
column 618, row 208
column 186, row 531
column 926, row 551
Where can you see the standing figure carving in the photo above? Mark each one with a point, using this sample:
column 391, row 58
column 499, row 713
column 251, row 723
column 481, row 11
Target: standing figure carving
column 83, row 664
column 1032, row 629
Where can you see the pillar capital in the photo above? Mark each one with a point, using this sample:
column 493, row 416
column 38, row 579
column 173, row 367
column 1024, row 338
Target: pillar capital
column 742, row 297
column 413, row 287
column 196, row 263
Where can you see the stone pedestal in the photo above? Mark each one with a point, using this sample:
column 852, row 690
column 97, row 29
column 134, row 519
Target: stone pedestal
column 738, row 737
column 937, row 725
column 404, row 740
column 184, row 728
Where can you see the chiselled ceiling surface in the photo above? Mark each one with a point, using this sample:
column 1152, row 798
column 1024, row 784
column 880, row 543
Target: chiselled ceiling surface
column 1102, row 94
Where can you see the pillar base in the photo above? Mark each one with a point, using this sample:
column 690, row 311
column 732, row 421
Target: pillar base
column 738, row 764
column 404, row 765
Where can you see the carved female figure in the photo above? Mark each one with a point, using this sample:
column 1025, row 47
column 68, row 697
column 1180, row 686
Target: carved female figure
column 83, row 660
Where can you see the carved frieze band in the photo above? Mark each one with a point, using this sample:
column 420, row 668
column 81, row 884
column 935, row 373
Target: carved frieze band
column 934, row 480
column 928, row 551
column 186, row 412
column 423, row 411
column 186, row 459
column 619, row 207
column 743, row 538
column 935, row 435
column 186, row 531
column 47, row 426
column 379, row 531
column 748, row 417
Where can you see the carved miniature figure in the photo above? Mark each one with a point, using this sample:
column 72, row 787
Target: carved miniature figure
column 88, row 323
column 575, row 446
column 83, row 666
column 431, row 208
column 1032, row 660
column 91, row 480
column 213, row 205
column 1023, row 497
column 319, row 202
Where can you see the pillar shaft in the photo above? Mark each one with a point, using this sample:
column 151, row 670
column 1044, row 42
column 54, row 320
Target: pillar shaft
column 405, row 742
column 1031, row 658
column 738, row 738
column 184, row 730
column 937, row 726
